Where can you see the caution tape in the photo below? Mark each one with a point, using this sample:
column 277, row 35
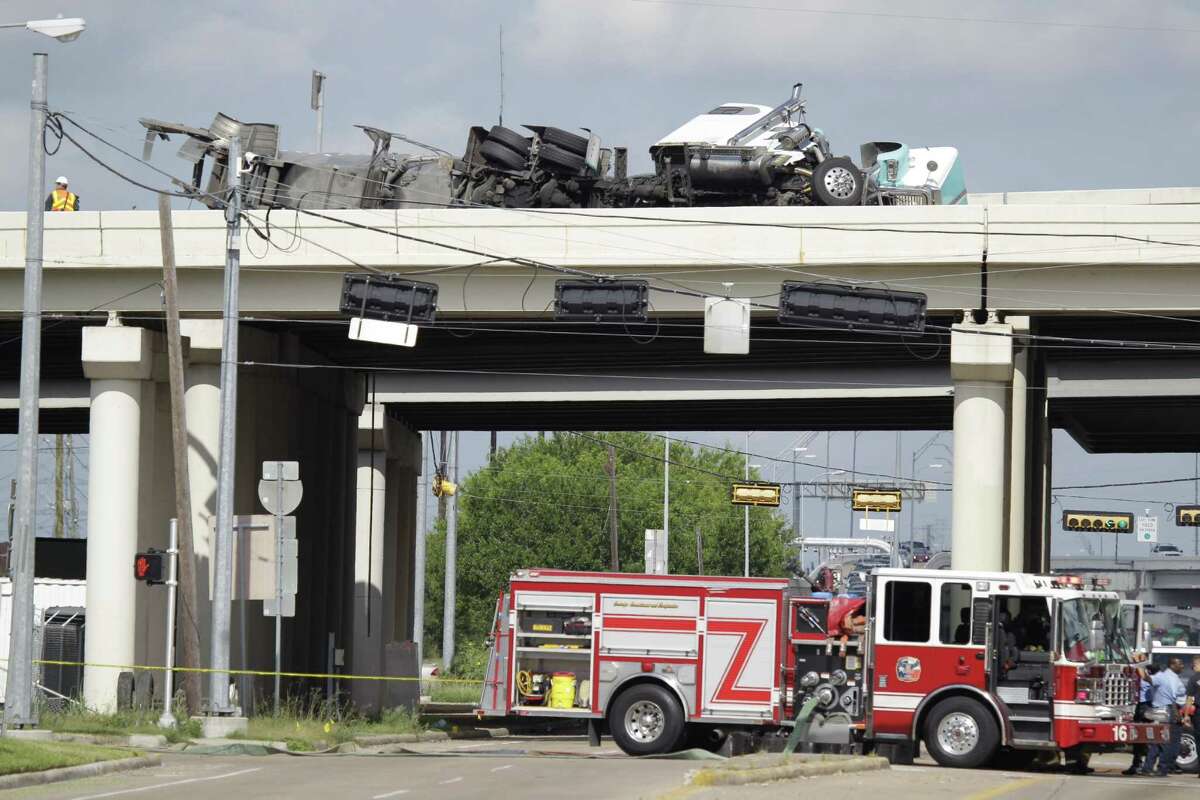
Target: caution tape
column 262, row 672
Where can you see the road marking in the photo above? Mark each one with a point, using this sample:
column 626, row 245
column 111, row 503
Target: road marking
column 452, row 780
column 497, row 769
column 1006, row 788
column 169, row 784
column 390, row 794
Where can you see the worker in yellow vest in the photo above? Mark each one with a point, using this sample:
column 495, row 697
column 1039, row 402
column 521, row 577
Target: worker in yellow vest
column 62, row 198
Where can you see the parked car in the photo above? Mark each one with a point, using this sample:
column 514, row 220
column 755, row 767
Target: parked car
column 1166, row 550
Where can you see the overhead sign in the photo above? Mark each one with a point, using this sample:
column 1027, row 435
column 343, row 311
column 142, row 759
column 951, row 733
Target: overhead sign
column 876, row 499
column 881, row 524
column 1098, row 521
column 1147, row 529
column 656, row 551
column 755, row 494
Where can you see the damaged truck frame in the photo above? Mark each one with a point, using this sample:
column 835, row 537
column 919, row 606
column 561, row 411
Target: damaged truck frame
column 737, row 154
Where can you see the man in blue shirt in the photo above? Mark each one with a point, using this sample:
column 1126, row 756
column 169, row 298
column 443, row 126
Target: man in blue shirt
column 1167, row 696
column 1139, row 715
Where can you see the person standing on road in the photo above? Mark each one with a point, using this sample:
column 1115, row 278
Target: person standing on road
column 1166, row 699
column 1193, row 697
column 62, row 198
column 1139, row 714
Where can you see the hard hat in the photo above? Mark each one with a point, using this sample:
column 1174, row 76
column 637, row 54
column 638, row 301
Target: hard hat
column 62, row 179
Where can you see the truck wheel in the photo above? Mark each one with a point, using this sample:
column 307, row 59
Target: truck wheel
column 498, row 155
column 1188, row 759
column 571, row 142
column 837, row 182
column 646, row 720
column 510, row 139
column 960, row 732
column 556, row 159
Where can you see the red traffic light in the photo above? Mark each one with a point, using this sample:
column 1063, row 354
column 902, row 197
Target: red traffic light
column 148, row 567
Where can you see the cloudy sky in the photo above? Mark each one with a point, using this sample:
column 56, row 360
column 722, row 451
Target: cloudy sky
column 1093, row 93
column 1075, row 94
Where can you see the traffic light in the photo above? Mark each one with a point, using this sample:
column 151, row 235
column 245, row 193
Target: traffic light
column 1188, row 516
column 1098, row 521
column 150, row 567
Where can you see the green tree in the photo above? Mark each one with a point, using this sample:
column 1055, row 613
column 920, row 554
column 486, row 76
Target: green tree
column 544, row 503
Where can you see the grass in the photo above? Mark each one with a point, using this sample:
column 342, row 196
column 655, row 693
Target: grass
column 21, row 755
column 77, row 719
column 318, row 725
column 442, row 692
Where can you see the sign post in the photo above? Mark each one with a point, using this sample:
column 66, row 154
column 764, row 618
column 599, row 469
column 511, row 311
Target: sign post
column 167, row 720
column 280, row 491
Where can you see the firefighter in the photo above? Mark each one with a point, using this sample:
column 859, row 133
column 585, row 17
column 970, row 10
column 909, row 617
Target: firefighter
column 1166, row 698
column 1139, row 714
column 62, row 198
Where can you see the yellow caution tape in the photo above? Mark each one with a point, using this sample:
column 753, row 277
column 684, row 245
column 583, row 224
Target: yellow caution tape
column 263, row 672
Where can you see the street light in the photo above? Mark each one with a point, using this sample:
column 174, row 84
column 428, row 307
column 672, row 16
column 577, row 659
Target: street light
column 18, row 706
column 65, row 30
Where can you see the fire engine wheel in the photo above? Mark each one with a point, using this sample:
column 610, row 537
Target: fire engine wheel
column 510, row 139
column 646, row 720
column 837, row 182
column 960, row 732
column 501, row 156
column 1188, row 759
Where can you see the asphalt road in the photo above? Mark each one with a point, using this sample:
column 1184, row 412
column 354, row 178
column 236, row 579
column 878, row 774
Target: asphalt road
column 531, row 769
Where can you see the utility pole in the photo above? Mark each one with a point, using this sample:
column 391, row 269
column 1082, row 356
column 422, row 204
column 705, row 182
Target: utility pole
column 18, row 706
column 58, row 486
column 825, row 505
column 492, row 448
column 182, row 526
column 796, row 500
column 451, row 565
column 443, row 500
column 699, row 551
column 218, row 685
column 666, row 487
column 746, row 509
column 614, row 539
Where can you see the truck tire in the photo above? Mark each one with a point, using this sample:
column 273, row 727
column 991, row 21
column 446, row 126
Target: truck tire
column 556, row 159
column 510, row 139
column 571, row 142
column 1188, row 759
column 646, row 720
column 837, row 182
column 500, row 156
column 960, row 732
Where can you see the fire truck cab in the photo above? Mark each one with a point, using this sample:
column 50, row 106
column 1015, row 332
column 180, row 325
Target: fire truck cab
column 975, row 665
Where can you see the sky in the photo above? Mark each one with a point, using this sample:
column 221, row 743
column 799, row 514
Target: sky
column 1036, row 96
column 1045, row 96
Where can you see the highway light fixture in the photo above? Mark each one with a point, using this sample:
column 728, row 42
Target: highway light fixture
column 386, row 309
column 601, row 300
column 65, row 30
column 832, row 305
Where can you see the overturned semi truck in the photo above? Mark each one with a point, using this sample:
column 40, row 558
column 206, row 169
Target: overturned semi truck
column 737, row 154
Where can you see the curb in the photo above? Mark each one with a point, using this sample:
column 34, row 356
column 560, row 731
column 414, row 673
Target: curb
column 401, row 738
column 72, row 773
column 782, row 768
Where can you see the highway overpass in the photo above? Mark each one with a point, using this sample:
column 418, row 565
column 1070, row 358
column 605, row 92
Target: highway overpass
column 1072, row 288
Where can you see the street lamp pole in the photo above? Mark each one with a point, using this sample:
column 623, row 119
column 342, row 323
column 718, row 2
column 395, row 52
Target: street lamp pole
column 18, row 705
column 746, row 509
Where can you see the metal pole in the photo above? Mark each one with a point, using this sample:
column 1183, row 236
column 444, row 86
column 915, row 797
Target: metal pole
column 451, row 565
column 795, row 498
column 825, row 505
column 18, row 707
column 167, row 719
column 218, row 686
column 746, row 523
column 318, row 104
column 278, row 580
column 419, row 555
column 614, row 530
column 1196, row 499
column 666, row 487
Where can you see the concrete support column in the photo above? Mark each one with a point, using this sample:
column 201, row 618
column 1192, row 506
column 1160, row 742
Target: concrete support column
column 366, row 644
column 1019, row 520
column 117, row 360
column 981, row 366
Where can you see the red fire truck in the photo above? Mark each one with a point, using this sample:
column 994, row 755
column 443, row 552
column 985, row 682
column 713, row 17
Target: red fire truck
column 980, row 666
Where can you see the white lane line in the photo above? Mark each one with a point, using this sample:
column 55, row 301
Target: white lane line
column 169, row 784
column 452, row 780
column 497, row 769
column 390, row 794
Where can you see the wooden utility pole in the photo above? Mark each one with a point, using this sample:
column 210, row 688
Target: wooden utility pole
column 614, row 527
column 492, row 448
column 190, row 628
column 59, row 515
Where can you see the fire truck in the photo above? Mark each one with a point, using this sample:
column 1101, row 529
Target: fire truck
column 980, row 667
